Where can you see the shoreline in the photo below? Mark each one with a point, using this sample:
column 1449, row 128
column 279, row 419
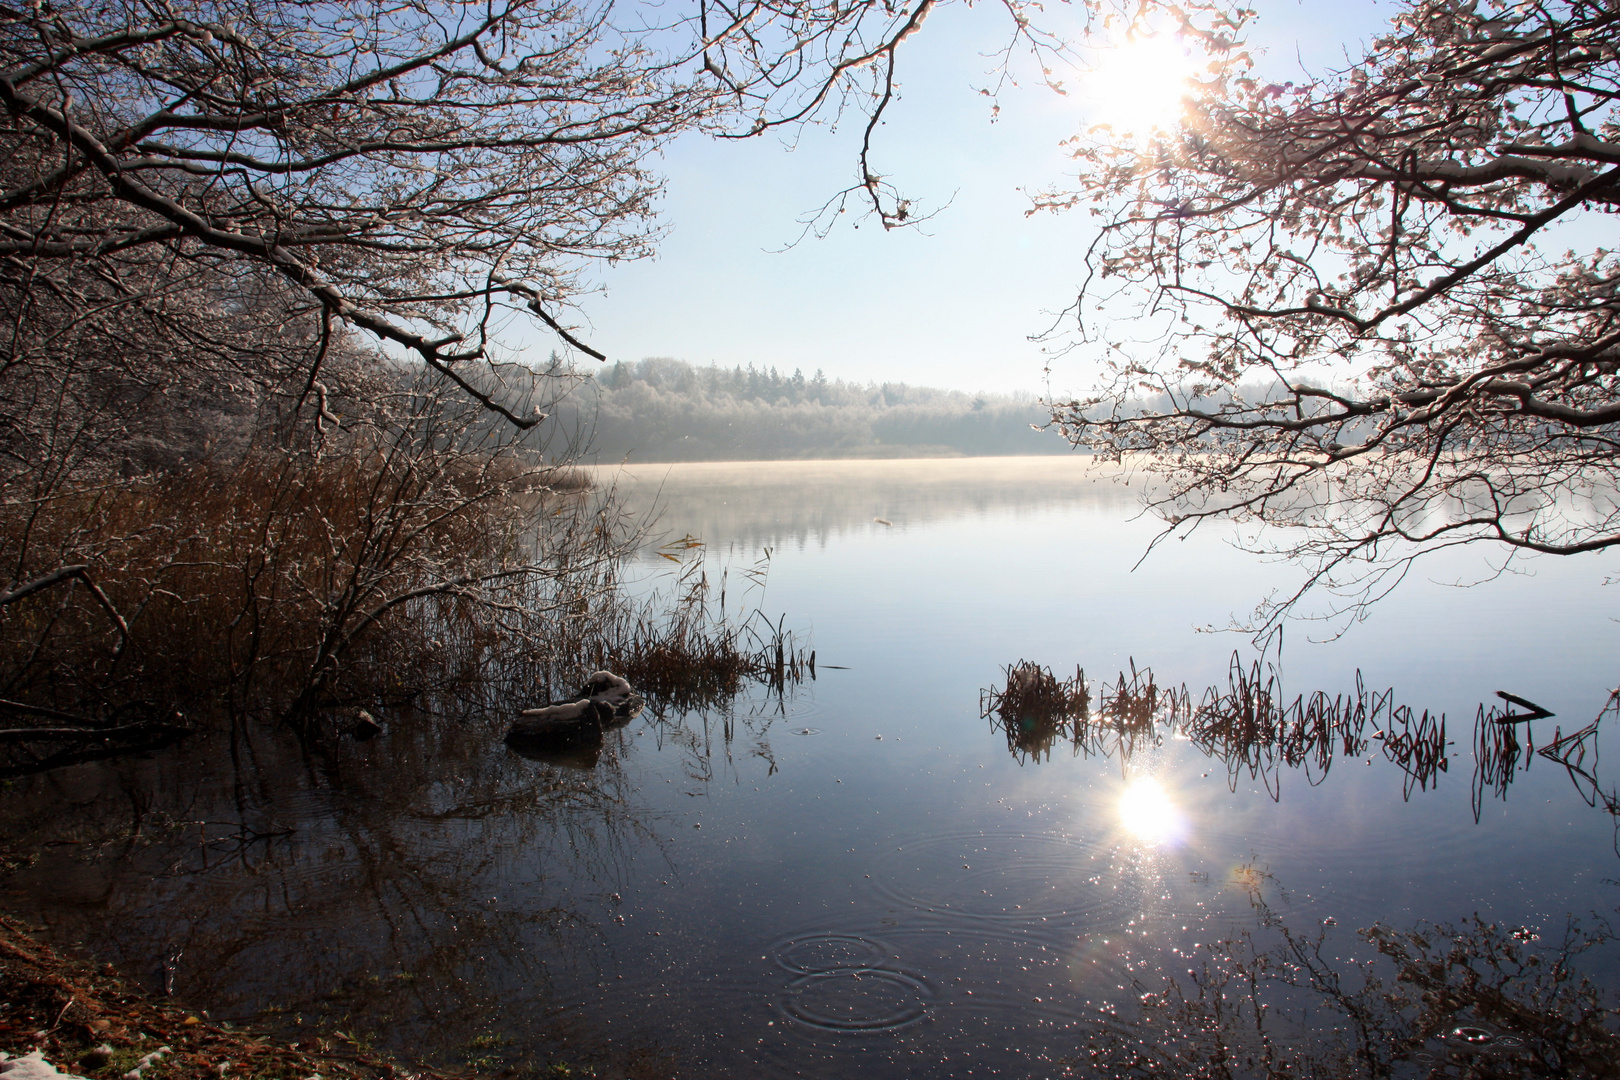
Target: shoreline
column 69, row 1007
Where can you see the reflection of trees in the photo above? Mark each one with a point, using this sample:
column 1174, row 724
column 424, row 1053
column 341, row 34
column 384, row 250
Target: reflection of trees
column 427, row 900
column 1249, row 725
column 429, row 889
column 808, row 502
column 1477, row 999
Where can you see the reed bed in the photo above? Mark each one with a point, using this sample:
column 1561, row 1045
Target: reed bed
column 288, row 582
column 691, row 656
column 1034, row 708
column 410, row 568
column 1253, row 729
column 1249, row 725
column 1131, row 709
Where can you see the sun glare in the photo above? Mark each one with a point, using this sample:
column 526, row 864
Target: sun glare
column 1147, row 813
column 1140, row 85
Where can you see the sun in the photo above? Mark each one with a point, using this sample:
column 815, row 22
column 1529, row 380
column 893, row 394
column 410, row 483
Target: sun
column 1140, row 85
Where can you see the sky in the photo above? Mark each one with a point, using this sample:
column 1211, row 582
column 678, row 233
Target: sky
column 955, row 302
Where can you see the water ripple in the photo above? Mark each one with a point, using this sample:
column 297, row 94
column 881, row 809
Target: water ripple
column 855, row 999
column 818, row 954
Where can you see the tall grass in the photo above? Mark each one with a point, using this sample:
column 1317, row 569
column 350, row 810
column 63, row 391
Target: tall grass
column 418, row 562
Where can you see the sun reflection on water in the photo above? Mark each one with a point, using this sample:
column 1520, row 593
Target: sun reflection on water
column 1148, row 813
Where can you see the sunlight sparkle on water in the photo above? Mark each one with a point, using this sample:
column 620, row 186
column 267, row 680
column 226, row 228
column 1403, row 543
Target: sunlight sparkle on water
column 1147, row 813
column 1139, row 85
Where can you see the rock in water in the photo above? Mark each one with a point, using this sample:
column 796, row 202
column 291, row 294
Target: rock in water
column 608, row 687
column 603, row 701
column 616, row 691
column 574, row 719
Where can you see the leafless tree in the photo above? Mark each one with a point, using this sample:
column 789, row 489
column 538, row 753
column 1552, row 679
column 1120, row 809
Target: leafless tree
column 416, row 170
column 203, row 203
column 1378, row 307
column 232, row 236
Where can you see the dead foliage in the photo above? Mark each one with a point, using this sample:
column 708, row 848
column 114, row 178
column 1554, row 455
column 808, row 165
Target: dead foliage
column 67, row 1008
column 417, row 562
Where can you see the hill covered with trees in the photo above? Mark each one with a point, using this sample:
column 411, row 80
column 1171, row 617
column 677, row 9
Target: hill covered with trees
column 669, row 410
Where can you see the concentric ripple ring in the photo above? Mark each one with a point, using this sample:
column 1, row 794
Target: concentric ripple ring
column 857, row 999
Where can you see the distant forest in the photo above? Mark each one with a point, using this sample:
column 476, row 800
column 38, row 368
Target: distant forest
column 668, row 410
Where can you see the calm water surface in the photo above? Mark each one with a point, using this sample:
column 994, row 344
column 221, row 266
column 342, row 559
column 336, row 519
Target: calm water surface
column 863, row 877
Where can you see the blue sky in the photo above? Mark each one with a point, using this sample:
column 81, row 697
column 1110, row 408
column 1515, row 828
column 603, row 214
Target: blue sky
column 952, row 303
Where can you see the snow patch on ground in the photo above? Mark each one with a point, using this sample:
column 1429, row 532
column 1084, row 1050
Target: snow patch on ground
column 31, row 1067
column 135, row 1073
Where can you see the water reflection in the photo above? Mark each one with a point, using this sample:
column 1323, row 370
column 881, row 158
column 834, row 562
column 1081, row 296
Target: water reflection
column 815, row 503
column 464, row 905
column 1499, row 756
column 429, row 889
column 833, row 905
column 1472, row 999
column 1249, row 726
column 1252, row 727
column 1254, row 731
column 1147, row 812
column 419, row 889
column 1034, row 709
column 1571, row 751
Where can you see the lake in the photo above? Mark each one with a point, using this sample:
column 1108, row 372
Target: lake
column 867, row 875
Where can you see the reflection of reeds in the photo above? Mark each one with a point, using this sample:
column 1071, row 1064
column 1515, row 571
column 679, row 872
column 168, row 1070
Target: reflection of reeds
column 1571, row 750
column 1129, row 712
column 1133, row 704
column 1253, row 728
column 1248, row 725
column 1034, row 708
column 1497, row 753
column 1419, row 747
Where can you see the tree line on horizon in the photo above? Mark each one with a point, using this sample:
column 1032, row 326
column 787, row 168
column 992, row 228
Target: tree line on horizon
column 670, row 410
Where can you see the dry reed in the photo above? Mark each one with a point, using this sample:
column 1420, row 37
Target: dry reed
column 410, row 567
column 1248, row 725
